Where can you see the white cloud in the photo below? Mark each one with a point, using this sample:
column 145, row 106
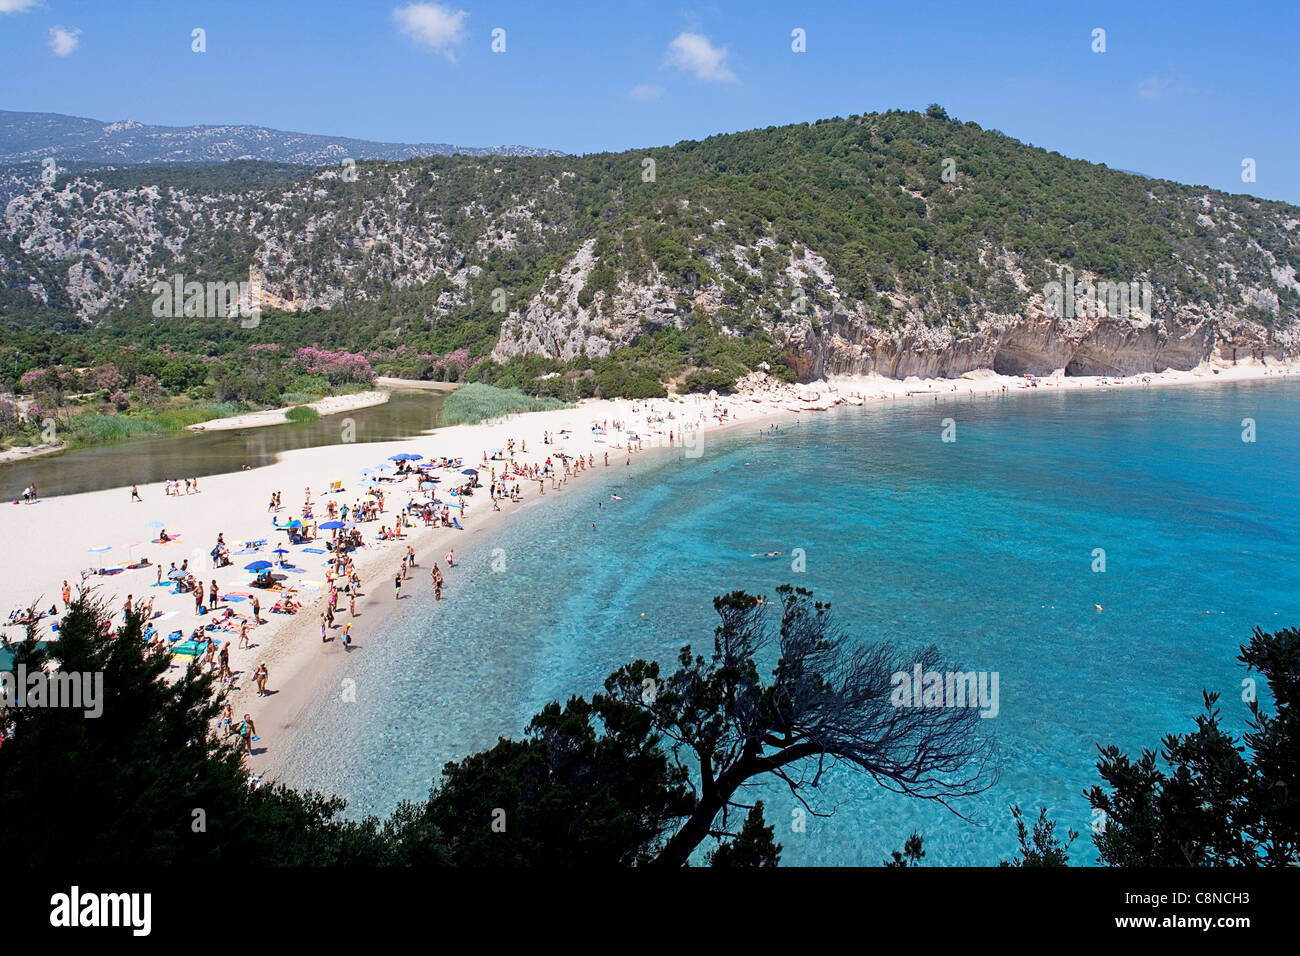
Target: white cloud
column 16, row 6
column 694, row 53
column 1162, row 87
column 433, row 25
column 63, row 40
column 645, row 92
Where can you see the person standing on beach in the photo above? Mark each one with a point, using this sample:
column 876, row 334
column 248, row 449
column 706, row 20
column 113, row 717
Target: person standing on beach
column 322, row 628
column 135, row 494
column 451, row 559
column 347, row 636
column 397, row 587
column 247, row 733
column 257, row 611
column 67, row 593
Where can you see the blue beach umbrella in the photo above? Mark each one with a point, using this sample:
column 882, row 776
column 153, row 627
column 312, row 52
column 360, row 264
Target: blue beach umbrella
column 469, row 471
column 293, row 523
column 257, row 566
column 154, row 524
column 100, row 548
column 281, row 551
column 331, row 525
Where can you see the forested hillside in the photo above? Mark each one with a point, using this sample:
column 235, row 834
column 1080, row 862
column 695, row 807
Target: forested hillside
column 900, row 243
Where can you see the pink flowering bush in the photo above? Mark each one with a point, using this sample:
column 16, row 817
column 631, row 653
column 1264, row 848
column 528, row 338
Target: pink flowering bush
column 30, row 380
column 337, row 367
column 105, row 377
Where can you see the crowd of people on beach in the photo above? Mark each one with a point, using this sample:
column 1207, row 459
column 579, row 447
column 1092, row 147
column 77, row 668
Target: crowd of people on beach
column 229, row 620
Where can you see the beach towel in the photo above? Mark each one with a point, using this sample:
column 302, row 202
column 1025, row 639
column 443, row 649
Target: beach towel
column 457, row 524
column 313, row 550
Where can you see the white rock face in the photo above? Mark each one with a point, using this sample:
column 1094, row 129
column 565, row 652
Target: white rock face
column 314, row 242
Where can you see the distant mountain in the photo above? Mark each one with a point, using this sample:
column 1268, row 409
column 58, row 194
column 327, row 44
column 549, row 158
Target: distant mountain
column 70, row 139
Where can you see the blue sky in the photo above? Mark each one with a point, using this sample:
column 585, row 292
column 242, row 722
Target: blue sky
column 1184, row 90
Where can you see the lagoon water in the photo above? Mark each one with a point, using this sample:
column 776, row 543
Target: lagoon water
column 983, row 546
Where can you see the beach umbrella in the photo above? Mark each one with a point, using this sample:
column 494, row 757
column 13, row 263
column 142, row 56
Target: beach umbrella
column 469, row 471
column 257, row 566
column 293, row 523
column 281, row 551
column 331, row 525
column 100, row 548
column 364, row 471
column 175, row 573
column 154, row 524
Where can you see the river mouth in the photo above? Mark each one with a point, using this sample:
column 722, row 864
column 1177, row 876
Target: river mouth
column 187, row 454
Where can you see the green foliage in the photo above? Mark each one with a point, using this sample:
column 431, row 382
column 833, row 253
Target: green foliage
column 588, row 786
column 302, row 413
column 709, row 380
column 1045, row 848
column 753, row 846
column 148, row 781
column 477, row 402
column 1222, row 802
column 96, row 428
column 910, row 855
column 865, row 193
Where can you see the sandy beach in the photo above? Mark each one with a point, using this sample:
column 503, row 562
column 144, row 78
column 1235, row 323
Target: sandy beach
column 54, row 536
column 333, row 405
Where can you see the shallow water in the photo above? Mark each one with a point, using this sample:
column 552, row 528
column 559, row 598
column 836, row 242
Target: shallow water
column 983, row 546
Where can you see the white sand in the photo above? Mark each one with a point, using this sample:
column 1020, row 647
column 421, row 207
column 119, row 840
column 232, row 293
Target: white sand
column 332, row 405
column 48, row 542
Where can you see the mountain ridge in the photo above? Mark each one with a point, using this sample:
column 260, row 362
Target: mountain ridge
column 897, row 243
column 28, row 136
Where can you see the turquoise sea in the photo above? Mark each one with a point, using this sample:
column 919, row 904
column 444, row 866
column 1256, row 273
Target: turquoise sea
column 983, row 546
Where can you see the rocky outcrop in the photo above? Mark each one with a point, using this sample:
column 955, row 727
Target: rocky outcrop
column 832, row 336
